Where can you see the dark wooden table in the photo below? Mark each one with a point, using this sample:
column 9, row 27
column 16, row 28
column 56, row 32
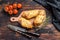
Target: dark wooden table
column 6, row 34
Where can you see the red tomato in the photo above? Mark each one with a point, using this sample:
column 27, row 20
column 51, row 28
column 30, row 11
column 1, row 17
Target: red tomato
column 15, row 5
column 6, row 8
column 10, row 12
column 15, row 11
column 10, row 7
column 19, row 5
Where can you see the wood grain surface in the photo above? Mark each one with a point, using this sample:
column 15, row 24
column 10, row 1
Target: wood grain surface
column 7, row 34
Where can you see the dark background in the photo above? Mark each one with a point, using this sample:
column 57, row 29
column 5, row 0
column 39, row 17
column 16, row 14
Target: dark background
column 6, row 34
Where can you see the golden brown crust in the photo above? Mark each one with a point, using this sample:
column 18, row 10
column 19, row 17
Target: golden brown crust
column 32, row 18
column 25, row 23
column 30, row 14
column 40, row 18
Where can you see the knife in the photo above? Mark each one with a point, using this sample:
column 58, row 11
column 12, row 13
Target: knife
column 15, row 28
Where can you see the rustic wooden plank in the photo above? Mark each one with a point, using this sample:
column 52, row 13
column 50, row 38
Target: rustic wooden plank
column 6, row 34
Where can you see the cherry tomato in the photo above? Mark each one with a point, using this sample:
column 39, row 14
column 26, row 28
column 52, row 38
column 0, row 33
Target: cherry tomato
column 19, row 5
column 15, row 5
column 10, row 12
column 6, row 8
column 10, row 7
column 15, row 11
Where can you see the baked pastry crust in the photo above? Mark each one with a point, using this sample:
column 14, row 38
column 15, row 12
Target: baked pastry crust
column 25, row 23
column 30, row 14
column 38, row 16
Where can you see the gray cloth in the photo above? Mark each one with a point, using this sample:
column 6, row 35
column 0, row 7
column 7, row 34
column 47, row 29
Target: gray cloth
column 54, row 6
